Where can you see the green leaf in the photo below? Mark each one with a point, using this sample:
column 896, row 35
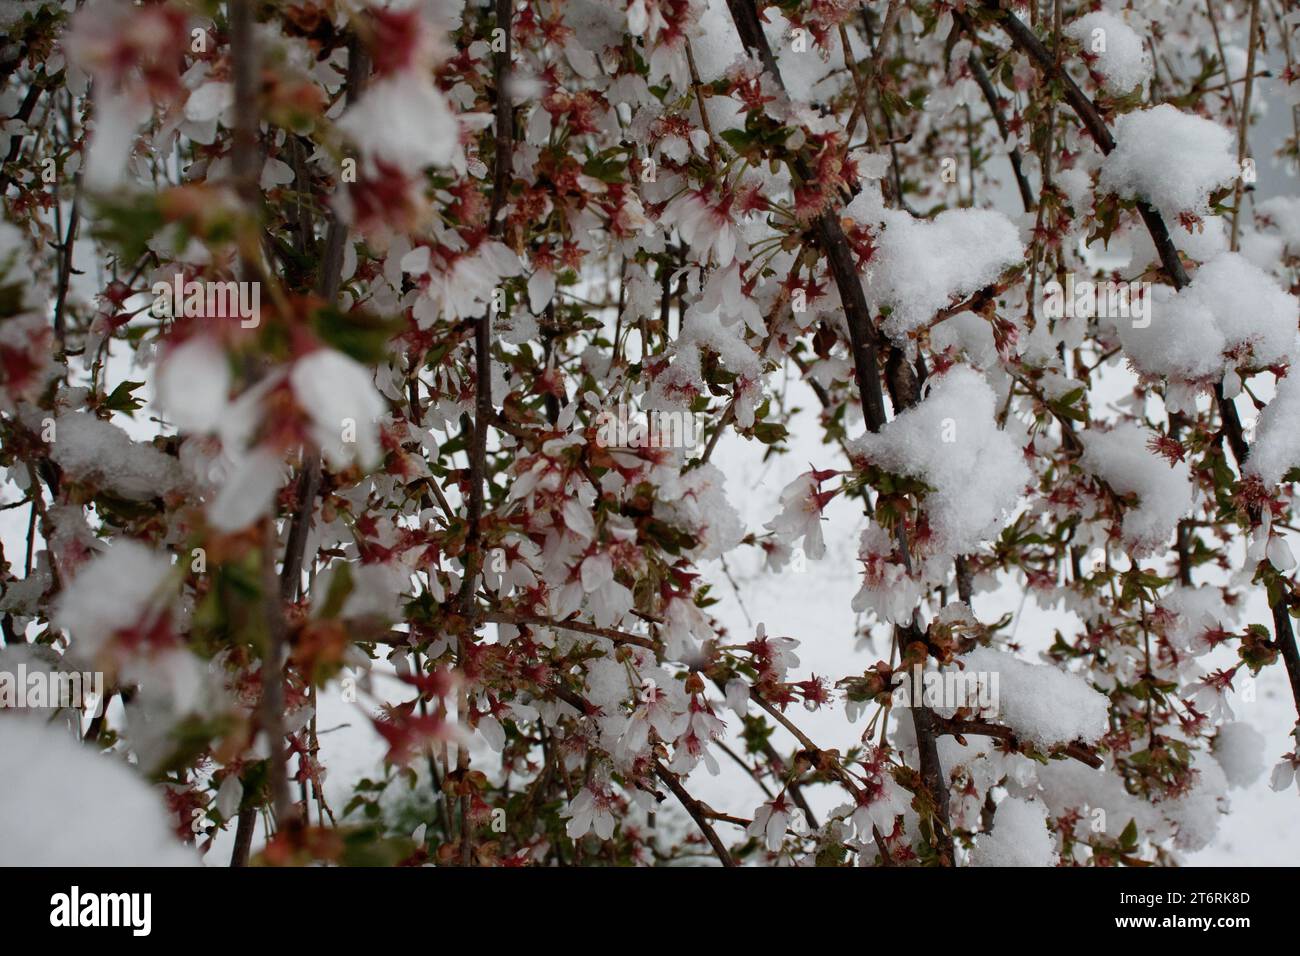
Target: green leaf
column 769, row 433
column 340, row 586
column 128, row 225
column 1129, row 838
column 357, row 333
column 121, row 399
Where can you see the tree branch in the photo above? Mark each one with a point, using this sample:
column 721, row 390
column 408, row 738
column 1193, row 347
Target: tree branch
column 582, row 627
column 1084, row 753
column 699, row 813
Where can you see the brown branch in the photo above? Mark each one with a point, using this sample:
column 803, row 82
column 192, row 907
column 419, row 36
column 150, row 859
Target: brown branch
column 1223, row 60
column 483, row 409
column 1078, row 750
column 582, row 627
column 698, row 811
column 328, row 280
column 864, row 85
column 22, row 116
column 1284, row 636
column 829, row 236
column 991, row 97
column 925, row 723
column 699, row 101
column 723, row 422
column 243, row 836
column 271, row 709
column 1243, row 120
column 246, row 163
column 245, row 156
column 774, row 759
column 824, row 759
column 65, row 264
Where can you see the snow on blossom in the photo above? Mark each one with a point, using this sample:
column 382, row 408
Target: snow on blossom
column 1279, row 554
column 685, row 628
column 1196, row 813
column 607, row 599
column 13, row 12
column 117, row 123
column 26, row 347
column 122, row 588
column 714, row 41
column 1232, row 313
column 737, row 694
column 1199, row 240
column 724, row 293
column 172, row 685
column 608, row 685
column 1019, row 837
column 951, row 442
column 1040, row 702
column 701, row 728
column 660, row 705
column 1195, row 616
column 64, row 804
column 880, row 800
column 967, row 333
column 680, row 379
column 1067, row 785
column 1210, row 695
column 1121, row 457
column 339, row 395
column 1239, row 748
column 655, row 248
column 207, row 102
column 1280, row 216
column 378, row 591
column 132, row 54
column 1140, row 168
column 14, row 265
column 99, row 453
column 1276, row 449
column 773, row 656
column 1112, row 49
column 921, row 266
column 698, row 503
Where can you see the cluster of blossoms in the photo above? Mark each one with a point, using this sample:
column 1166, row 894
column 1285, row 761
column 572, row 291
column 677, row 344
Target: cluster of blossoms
column 439, row 241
